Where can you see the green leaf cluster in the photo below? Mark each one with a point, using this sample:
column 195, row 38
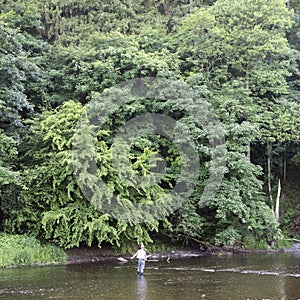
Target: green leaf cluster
column 240, row 59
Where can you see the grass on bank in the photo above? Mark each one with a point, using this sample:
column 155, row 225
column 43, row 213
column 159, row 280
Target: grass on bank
column 22, row 250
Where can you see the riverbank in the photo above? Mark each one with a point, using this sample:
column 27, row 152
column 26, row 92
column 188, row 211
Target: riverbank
column 85, row 254
column 18, row 251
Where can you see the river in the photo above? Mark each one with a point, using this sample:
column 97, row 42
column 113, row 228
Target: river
column 244, row 276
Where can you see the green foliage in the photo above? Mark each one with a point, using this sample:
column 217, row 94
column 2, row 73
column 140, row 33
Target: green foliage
column 23, row 15
column 227, row 237
column 53, row 206
column 243, row 56
column 240, row 55
column 71, row 21
column 250, row 243
column 22, row 83
column 110, row 59
column 20, row 250
column 284, row 244
column 10, row 179
column 8, row 154
column 238, row 42
column 76, row 223
column 238, row 210
column 14, row 66
column 294, row 33
column 187, row 223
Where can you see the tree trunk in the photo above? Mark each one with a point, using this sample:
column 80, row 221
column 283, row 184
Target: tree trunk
column 249, row 151
column 191, row 6
column 269, row 150
column 284, row 168
column 278, row 201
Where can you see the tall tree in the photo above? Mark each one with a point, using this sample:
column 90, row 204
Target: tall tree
column 238, row 50
column 22, row 81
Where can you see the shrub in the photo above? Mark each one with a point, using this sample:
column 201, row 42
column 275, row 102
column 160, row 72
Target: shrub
column 21, row 250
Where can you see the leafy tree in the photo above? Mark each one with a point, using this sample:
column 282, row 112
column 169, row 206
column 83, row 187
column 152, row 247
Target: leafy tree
column 8, row 153
column 10, row 179
column 22, row 61
column 229, row 45
column 22, row 15
column 110, row 59
column 53, row 207
column 238, row 51
column 15, row 66
column 70, row 21
column 236, row 54
column 294, row 33
column 237, row 213
column 294, row 38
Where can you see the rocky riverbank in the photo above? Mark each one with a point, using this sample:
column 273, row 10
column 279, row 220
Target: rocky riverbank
column 95, row 254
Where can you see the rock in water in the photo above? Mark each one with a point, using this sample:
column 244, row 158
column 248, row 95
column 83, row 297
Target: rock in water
column 121, row 259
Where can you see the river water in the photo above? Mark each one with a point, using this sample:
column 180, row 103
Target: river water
column 247, row 276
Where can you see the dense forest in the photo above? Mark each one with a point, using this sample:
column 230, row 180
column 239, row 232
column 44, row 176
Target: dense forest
column 216, row 86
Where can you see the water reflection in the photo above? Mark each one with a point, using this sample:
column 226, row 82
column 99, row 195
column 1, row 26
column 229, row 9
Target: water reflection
column 141, row 287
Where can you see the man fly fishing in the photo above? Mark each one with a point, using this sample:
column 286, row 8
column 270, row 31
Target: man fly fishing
column 142, row 256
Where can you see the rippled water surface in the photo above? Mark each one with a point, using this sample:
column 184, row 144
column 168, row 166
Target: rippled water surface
column 250, row 276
